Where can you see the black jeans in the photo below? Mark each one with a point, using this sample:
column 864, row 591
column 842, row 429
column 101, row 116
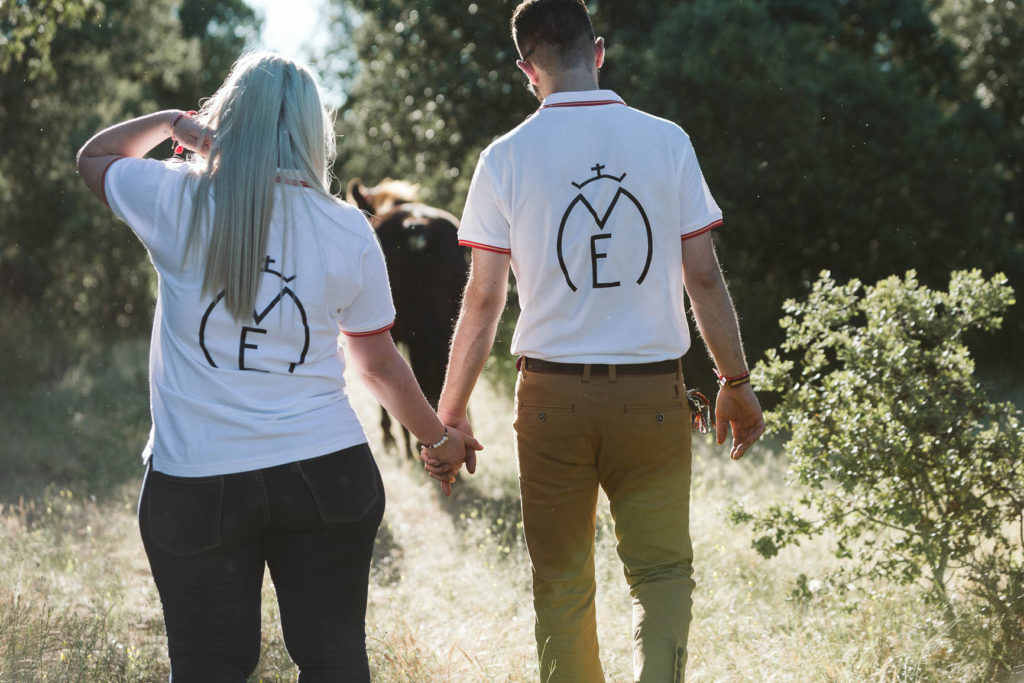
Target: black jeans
column 312, row 522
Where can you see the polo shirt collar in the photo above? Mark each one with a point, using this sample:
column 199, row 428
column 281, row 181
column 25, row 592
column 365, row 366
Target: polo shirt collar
column 581, row 98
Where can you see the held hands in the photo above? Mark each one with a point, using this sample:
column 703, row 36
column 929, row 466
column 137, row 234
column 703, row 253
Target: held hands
column 738, row 407
column 461, row 423
column 445, row 461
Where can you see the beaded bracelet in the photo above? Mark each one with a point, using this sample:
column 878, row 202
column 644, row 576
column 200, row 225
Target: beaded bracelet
column 736, row 381
column 441, row 442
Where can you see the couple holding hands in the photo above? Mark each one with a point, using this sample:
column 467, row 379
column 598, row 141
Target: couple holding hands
column 256, row 459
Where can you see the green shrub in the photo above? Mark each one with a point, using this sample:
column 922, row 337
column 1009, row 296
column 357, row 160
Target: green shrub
column 903, row 456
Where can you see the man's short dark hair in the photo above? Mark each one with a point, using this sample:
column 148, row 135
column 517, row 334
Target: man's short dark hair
column 559, row 29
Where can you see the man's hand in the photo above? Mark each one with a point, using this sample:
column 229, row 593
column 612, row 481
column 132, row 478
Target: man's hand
column 738, row 407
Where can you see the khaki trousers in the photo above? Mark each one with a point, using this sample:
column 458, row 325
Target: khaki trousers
column 630, row 435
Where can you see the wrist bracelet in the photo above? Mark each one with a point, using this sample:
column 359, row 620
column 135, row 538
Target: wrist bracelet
column 178, row 149
column 441, row 442
column 736, row 381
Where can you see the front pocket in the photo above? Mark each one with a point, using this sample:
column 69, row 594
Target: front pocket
column 184, row 512
column 345, row 485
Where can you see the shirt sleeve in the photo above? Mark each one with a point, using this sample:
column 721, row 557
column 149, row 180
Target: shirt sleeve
column 371, row 310
column 484, row 224
column 698, row 210
column 133, row 188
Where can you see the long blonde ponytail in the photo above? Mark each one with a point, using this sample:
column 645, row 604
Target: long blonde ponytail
column 268, row 120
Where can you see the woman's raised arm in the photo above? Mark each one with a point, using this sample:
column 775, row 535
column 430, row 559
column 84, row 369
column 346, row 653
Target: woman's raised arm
column 135, row 138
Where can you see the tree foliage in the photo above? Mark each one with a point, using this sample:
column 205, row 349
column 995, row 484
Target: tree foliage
column 823, row 153
column 904, row 457
column 64, row 260
column 434, row 83
column 989, row 37
column 27, row 31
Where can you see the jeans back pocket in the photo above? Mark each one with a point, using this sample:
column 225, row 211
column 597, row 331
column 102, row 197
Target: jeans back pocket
column 184, row 513
column 346, row 485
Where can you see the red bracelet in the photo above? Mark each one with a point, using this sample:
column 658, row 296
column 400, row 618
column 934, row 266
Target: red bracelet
column 178, row 149
column 736, row 381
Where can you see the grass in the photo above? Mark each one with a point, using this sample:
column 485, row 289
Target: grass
column 449, row 595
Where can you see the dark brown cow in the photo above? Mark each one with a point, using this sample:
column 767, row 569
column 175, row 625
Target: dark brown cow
column 428, row 271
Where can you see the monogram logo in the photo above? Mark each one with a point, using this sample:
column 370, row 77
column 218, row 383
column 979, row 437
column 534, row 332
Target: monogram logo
column 246, row 341
column 602, row 222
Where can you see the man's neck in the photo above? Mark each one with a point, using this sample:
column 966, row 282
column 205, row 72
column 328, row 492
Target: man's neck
column 577, row 80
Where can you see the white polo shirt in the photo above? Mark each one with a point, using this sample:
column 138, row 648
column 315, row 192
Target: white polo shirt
column 591, row 199
column 232, row 396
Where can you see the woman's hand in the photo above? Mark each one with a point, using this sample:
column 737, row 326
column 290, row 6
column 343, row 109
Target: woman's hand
column 192, row 136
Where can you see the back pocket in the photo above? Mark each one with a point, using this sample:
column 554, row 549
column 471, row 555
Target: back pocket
column 345, row 485
column 184, row 512
column 541, row 413
column 659, row 413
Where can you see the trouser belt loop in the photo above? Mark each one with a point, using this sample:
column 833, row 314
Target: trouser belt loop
column 612, row 379
column 586, row 373
column 679, row 369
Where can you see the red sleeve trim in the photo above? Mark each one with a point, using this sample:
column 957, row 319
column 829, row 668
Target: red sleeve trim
column 103, row 179
column 707, row 228
column 371, row 332
column 485, row 247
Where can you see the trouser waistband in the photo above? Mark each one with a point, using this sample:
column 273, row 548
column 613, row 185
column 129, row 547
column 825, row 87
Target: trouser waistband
column 657, row 368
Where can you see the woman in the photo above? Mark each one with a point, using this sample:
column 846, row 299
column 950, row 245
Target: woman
column 256, row 456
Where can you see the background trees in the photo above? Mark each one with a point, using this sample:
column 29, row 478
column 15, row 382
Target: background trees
column 431, row 85
column 68, row 271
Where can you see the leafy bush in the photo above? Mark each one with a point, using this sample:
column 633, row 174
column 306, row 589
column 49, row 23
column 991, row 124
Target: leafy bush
column 905, row 459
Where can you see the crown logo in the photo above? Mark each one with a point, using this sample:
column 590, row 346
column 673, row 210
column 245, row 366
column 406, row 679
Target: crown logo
column 597, row 168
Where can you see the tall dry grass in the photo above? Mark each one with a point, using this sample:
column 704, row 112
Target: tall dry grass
column 449, row 595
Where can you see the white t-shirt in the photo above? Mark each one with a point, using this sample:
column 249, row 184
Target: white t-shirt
column 232, row 397
column 591, row 198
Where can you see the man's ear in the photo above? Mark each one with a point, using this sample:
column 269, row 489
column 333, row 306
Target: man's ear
column 529, row 69
column 599, row 52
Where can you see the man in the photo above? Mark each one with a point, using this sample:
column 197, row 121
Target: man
column 603, row 214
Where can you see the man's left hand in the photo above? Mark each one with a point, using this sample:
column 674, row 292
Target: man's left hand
column 738, row 407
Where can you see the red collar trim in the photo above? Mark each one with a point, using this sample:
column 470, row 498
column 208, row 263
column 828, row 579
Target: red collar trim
column 582, row 103
column 292, row 181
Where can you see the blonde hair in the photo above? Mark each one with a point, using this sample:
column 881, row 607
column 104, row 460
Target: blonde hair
column 267, row 121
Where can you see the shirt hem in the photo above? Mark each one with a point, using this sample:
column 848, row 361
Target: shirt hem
column 250, row 464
